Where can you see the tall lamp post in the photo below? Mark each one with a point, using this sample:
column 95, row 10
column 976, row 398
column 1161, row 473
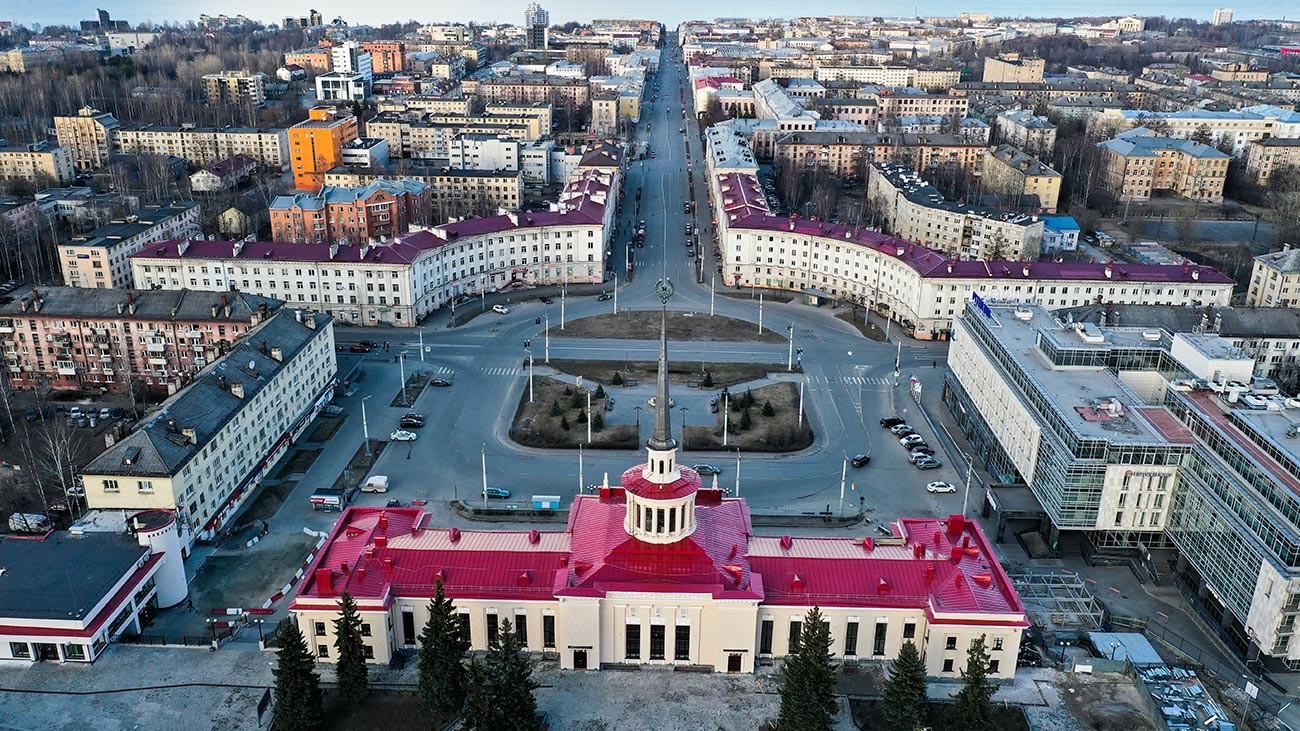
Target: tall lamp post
column 365, row 425
column 684, row 410
column 789, row 358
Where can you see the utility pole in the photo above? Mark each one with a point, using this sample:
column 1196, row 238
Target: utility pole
column 684, row 410
column 589, row 417
column 970, row 470
column 726, row 414
column 530, row 376
column 713, row 284
column 789, row 358
column 548, row 339
column 564, row 291
column 760, row 313
column 615, row 294
column 421, row 345
column 737, row 471
column 483, row 455
column 581, row 482
column 799, row 424
column 898, row 357
column 844, row 474
column 365, row 425
column 401, row 364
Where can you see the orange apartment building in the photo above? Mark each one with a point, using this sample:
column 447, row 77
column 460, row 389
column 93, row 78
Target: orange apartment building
column 73, row 339
column 386, row 57
column 316, row 145
column 381, row 210
column 314, row 60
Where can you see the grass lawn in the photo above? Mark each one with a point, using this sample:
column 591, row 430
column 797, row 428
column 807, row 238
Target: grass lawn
column 679, row 372
column 644, row 325
column 536, row 424
column 868, row 329
column 867, row 714
column 355, row 473
column 326, row 427
column 776, row 433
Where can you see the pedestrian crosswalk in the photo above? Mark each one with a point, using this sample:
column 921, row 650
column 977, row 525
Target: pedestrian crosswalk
column 852, row 380
column 501, row 371
column 443, row 371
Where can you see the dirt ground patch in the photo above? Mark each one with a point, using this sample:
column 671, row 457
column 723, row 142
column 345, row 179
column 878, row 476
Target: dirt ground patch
column 1102, row 706
column 768, row 295
column 868, row 329
column 326, row 427
column 644, row 325
column 268, row 501
column 779, row 432
column 415, row 384
column 382, row 709
column 299, row 461
column 867, row 715
column 679, row 373
column 248, row 577
column 537, row 424
column 357, row 468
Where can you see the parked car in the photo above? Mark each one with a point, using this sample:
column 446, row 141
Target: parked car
column 547, row 301
column 501, row 309
column 105, row 413
column 915, row 457
column 497, row 493
column 911, row 440
column 439, row 382
column 706, row 469
column 860, row 460
column 901, row 429
column 604, row 297
column 889, row 422
column 408, row 423
column 375, row 483
column 393, row 504
column 922, row 449
column 929, row 464
column 360, row 348
column 939, row 486
column 402, row 435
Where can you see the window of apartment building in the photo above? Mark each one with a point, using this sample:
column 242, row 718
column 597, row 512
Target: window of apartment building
column 462, row 621
column 947, row 665
column 548, row 630
column 521, row 629
column 950, row 643
column 109, row 485
column 795, row 626
column 365, row 629
column 909, row 630
column 657, row 640
column 492, row 628
column 765, row 637
column 632, row 642
column 320, row 629
column 322, row 651
column 682, row 643
column 851, row 639
column 882, row 631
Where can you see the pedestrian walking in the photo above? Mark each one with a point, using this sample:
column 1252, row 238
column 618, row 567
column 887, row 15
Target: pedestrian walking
column 189, row 604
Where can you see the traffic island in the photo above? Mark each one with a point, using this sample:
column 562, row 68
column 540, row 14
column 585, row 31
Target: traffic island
column 359, row 466
column 644, row 325
column 615, row 373
column 557, row 418
column 415, row 385
column 868, row 329
column 764, row 419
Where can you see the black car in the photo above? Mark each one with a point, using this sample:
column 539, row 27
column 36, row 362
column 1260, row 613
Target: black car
column 860, row 460
column 360, row 348
column 440, row 382
column 412, row 423
column 604, row 296
column 923, row 449
column 547, row 300
column 891, row 421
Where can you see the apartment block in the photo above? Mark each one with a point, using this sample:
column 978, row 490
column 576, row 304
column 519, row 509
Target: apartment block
column 915, row 211
column 206, row 450
column 316, row 145
column 202, row 146
column 904, row 102
column 533, row 89
column 1236, row 128
column 1012, row 68
column 1275, row 279
column 1138, row 162
column 71, row 339
column 386, row 57
column 1021, row 177
column 1026, row 130
column 453, row 192
column 88, row 135
column 845, row 154
column 100, row 259
column 470, row 151
column 375, row 212
column 37, row 163
column 314, row 60
column 235, row 88
column 1265, row 156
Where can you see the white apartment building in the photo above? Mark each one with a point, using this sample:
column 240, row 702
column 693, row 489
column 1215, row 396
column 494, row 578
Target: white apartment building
column 202, row 146
column 400, row 282
column 101, row 258
column 471, row 151
column 1238, row 127
column 339, row 86
column 204, row 453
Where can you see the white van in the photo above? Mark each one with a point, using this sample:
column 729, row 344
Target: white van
column 376, row 483
column 29, row 523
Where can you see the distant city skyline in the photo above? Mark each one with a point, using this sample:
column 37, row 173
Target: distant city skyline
column 70, row 12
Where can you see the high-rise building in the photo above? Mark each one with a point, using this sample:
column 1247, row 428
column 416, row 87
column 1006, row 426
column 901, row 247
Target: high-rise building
column 88, row 135
column 316, row 145
column 536, row 22
column 1222, row 16
column 235, row 88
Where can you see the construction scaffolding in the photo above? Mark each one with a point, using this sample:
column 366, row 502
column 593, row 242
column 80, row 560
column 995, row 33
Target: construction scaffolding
column 1059, row 603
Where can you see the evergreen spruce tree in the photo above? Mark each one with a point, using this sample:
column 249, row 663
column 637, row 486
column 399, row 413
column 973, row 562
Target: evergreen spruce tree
column 617, row 380
column 501, row 688
column 582, row 416
column 974, row 708
column 748, row 398
column 708, row 380
column 746, row 421
column 904, row 703
column 564, row 423
column 297, row 686
column 578, row 401
column 555, row 408
column 351, row 671
column 597, row 422
column 442, row 651
column 768, row 410
column 808, row 679
column 600, row 392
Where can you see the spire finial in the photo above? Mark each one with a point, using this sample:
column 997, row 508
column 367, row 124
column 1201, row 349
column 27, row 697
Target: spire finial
column 663, row 435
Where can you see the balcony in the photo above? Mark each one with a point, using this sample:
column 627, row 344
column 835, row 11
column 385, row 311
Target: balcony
column 156, row 347
column 67, row 370
column 158, row 361
column 194, row 334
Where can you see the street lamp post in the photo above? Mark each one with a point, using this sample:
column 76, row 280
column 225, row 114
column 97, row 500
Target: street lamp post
column 588, row 417
column 726, row 414
column 970, row 470
column 365, row 425
column 530, row 375
column 789, row 358
column 760, row 313
column 898, row 358
column 637, row 409
column 564, row 291
column 548, row 339
column 615, row 294
column 713, row 285
column 737, row 471
column 799, row 424
column 261, row 639
column 401, row 364
column 684, row 410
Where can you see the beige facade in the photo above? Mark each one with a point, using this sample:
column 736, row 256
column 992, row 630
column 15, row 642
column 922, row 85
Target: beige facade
column 1275, row 279
column 1008, row 171
column 1012, row 68
column 238, row 88
column 543, row 111
column 224, row 432
column 88, row 135
column 101, row 258
column 894, row 103
column 453, row 192
column 535, row 89
column 203, row 146
column 38, row 164
column 1135, row 164
column 1263, row 157
column 604, row 113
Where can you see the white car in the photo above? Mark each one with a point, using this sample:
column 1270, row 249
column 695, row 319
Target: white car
column 939, row 487
column 501, row 309
column 401, row 435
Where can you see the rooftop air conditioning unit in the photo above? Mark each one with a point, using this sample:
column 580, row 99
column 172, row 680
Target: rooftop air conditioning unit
column 1151, row 335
